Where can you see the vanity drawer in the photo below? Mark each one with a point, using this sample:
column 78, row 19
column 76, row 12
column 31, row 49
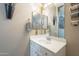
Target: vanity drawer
column 46, row 52
column 38, row 50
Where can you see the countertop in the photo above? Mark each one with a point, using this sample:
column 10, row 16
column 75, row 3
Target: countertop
column 53, row 44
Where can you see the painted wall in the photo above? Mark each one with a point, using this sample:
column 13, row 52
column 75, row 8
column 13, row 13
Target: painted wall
column 71, row 34
column 13, row 39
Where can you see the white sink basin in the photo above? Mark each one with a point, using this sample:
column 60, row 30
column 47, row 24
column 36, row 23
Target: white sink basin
column 45, row 41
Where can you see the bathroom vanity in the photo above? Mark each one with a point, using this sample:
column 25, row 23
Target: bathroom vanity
column 52, row 24
column 40, row 46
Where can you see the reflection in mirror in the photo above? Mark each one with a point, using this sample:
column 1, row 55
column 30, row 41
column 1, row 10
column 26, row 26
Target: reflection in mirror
column 39, row 22
column 61, row 21
column 39, row 19
column 55, row 14
column 48, row 19
column 54, row 20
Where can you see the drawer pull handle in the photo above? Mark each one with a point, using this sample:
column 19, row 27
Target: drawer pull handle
column 46, row 54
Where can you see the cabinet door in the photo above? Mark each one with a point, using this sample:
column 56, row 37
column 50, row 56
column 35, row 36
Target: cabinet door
column 32, row 53
column 34, row 49
column 37, row 50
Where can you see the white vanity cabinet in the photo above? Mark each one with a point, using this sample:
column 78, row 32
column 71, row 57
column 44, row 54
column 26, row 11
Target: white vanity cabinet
column 34, row 49
column 38, row 50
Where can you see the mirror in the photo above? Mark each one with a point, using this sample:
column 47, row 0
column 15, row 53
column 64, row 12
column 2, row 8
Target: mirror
column 49, row 19
column 56, row 19
column 39, row 19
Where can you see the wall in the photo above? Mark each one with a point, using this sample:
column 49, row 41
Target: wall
column 13, row 39
column 71, row 34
